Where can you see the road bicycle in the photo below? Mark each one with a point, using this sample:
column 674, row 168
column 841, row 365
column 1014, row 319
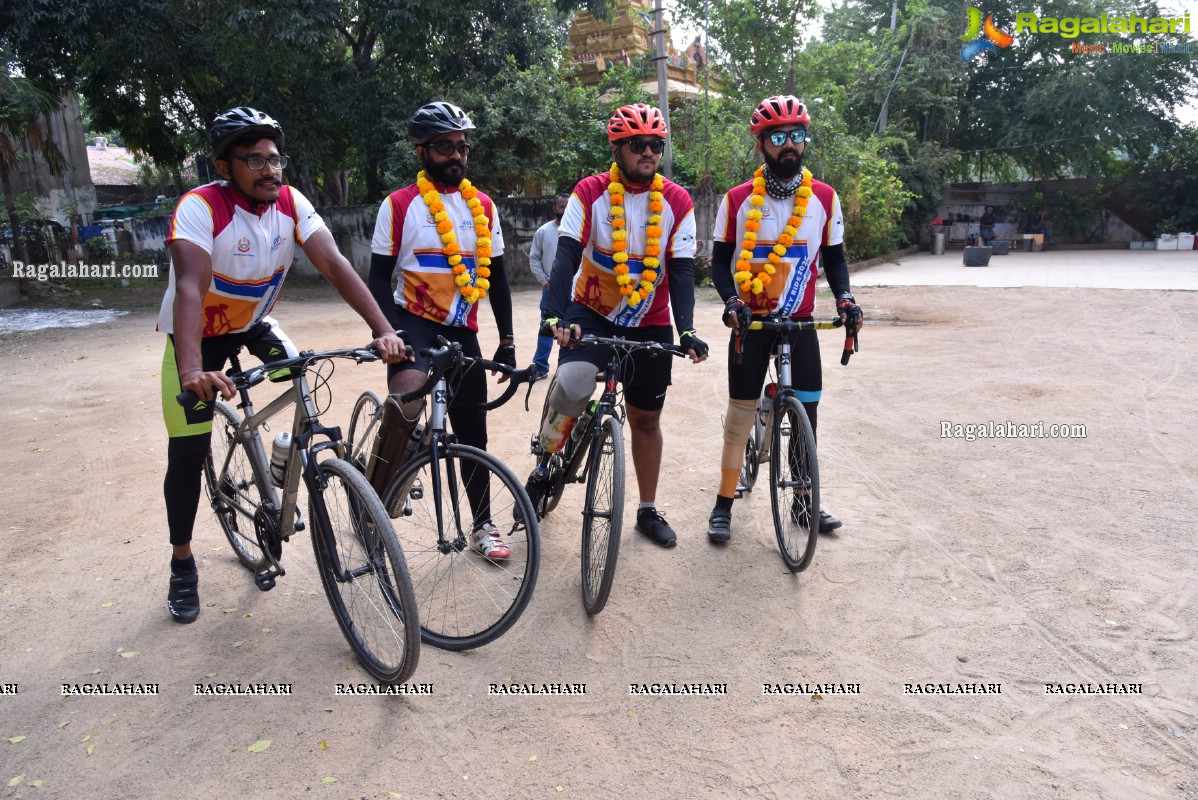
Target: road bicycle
column 442, row 494
column 594, row 454
column 358, row 556
column 782, row 435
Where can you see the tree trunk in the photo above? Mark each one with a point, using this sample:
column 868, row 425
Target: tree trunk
column 14, row 221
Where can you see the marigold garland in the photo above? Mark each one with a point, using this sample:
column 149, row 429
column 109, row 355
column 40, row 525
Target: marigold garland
column 619, row 237
column 472, row 289
column 744, row 276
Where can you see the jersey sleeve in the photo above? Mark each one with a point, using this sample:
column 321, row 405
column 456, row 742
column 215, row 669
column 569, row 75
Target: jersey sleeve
column 193, row 222
column 834, row 229
column 307, row 221
column 725, row 222
column 385, row 241
column 682, row 240
column 496, row 232
column 573, row 222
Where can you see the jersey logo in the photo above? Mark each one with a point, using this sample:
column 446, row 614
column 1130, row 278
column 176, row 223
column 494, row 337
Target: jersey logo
column 439, row 396
column 785, row 359
column 277, row 243
column 243, row 245
column 765, row 211
column 429, row 218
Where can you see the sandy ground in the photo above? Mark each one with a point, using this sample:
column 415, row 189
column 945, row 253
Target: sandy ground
column 1017, row 562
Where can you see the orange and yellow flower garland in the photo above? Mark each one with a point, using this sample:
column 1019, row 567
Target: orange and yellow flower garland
column 476, row 289
column 744, row 276
column 619, row 236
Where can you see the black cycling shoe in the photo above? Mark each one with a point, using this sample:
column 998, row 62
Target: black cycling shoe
column 827, row 522
column 183, row 599
column 719, row 526
column 654, row 525
column 535, row 487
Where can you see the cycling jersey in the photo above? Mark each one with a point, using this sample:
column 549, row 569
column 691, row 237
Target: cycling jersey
column 405, row 229
column 588, row 220
column 250, row 252
column 791, row 292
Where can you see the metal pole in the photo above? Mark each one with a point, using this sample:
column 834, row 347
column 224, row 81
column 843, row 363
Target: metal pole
column 663, row 98
column 893, row 26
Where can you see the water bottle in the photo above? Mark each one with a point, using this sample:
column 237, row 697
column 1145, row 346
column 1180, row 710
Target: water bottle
column 763, row 407
column 415, row 442
column 279, row 452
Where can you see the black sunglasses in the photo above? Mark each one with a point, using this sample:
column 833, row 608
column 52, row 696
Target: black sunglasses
column 798, row 136
column 657, row 146
column 448, row 148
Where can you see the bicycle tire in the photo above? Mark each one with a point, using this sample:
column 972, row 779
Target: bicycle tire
column 363, row 428
column 465, row 600
column 376, row 606
column 794, row 485
column 238, row 505
column 602, row 515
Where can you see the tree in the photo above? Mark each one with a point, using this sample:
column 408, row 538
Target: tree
column 23, row 133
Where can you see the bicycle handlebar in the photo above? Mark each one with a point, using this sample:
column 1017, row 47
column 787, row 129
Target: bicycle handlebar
column 255, row 375
column 449, row 355
column 590, row 340
column 787, row 325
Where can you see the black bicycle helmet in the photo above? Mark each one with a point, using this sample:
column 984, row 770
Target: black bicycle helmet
column 434, row 119
column 237, row 122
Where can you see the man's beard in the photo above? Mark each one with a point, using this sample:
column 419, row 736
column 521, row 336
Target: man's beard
column 446, row 173
column 786, row 169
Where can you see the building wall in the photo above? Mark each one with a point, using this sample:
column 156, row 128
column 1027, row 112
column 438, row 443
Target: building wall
column 74, row 186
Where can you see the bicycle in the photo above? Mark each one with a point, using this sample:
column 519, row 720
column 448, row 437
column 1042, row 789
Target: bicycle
column 361, row 565
column 465, row 600
column 594, row 454
column 781, row 426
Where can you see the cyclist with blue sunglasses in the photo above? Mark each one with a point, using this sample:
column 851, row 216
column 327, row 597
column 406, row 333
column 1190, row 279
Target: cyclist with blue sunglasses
column 773, row 236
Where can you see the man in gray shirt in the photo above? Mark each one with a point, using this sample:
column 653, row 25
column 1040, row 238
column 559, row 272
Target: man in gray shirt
column 540, row 258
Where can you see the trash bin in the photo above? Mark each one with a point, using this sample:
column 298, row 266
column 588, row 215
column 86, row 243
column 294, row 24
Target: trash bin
column 938, row 240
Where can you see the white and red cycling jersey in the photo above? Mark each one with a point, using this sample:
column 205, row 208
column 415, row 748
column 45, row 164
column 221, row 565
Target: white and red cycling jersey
column 405, row 229
column 588, row 220
column 791, row 291
column 250, row 252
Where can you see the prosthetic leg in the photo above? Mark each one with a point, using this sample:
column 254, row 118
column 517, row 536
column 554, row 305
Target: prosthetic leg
column 391, row 446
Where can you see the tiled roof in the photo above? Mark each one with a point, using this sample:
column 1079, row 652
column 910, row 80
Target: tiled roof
column 113, row 166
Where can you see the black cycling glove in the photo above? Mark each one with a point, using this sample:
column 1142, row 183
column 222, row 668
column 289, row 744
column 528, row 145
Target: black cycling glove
column 846, row 306
column 689, row 340
column 505, row 354
column 738, row 309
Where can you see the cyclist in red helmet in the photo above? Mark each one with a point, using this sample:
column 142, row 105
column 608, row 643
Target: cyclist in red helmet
column 625, row 260
column 773, row 236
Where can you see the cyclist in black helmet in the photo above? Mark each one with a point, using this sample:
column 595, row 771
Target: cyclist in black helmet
column 437, row 251
column 231, row 243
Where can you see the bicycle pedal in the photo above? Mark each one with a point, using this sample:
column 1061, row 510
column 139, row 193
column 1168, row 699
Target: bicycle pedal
column 741, row 491
column 299, row 523
column 265, row 580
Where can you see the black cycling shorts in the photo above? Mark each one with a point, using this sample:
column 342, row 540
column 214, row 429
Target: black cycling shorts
column 806, row 374
column 646, row 376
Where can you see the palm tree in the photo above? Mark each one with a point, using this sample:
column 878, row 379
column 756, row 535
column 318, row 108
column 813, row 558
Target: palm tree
column 23, row 108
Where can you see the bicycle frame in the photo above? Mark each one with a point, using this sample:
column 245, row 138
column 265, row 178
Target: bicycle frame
column 305, row 425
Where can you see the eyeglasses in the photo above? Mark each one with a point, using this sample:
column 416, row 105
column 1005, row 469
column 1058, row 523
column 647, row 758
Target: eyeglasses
column 656, row 146
column 448, row 148
column 798, row 136
column 257, row 162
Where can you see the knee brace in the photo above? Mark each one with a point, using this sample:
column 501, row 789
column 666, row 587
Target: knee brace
column 738, row 421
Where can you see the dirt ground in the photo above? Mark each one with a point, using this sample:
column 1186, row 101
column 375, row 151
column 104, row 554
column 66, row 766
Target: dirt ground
column 1017, row 562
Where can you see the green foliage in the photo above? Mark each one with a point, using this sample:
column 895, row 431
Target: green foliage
column 1167, row 185
column 98, row 250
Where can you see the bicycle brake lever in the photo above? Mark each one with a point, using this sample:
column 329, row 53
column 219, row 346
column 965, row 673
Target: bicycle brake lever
column 528, row 392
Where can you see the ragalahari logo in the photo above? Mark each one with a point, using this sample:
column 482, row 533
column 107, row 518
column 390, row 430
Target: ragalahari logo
column 991, row 36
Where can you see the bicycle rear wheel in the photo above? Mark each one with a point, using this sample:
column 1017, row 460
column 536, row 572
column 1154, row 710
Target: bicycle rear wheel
column 465, row 599
column 794, row 485
column 363, row 428
column 372, row 595
column 238, row 499
column 603, row 515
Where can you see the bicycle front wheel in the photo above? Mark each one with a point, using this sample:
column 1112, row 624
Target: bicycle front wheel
column 602, row 515
column 752, row 463
column 238, row 497
column 367, row 581
column 363, row 428
column 465, row 599
column 794, row 485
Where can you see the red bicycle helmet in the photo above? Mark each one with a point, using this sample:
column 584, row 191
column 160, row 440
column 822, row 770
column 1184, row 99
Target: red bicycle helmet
column 637, row 119
column 782, row 109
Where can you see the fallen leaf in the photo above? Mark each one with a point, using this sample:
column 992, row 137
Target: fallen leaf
column 96, row 671
column 64, row 724
column 16, row 739
column 815, row 698
column 395, row 795
column 107, row 605
column 15, row 781
column 560, row 788
column 229, row 610
column 349, row 666
column 86, row 738
column 248, row 615
column 266, row 630
column 631, row 713
column 324, row 745
column 590, row 657
column 532, row 758
column 1123, row 726
column 91, row 748
column 328, row 779
column 238, row 644
column 329, row 710
column 259, row 746
column 210, row 675
column 37, row 784
column 130, row 654
column 1111, row 622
